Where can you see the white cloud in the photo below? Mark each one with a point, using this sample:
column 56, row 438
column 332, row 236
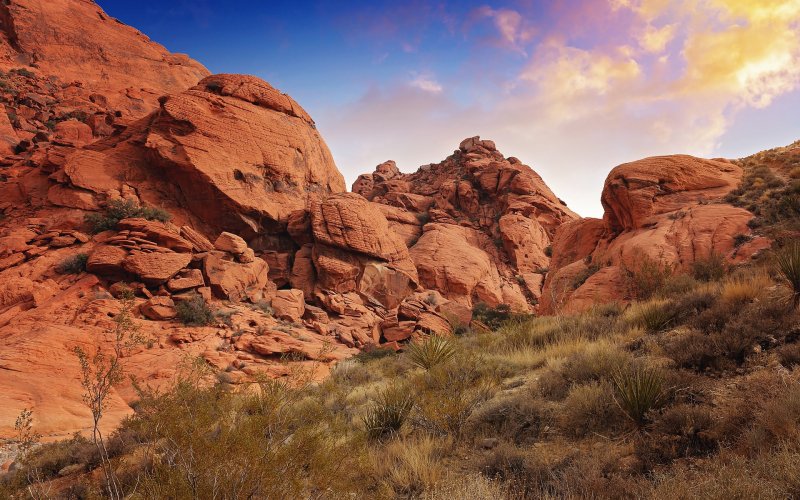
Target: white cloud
column 426, row 83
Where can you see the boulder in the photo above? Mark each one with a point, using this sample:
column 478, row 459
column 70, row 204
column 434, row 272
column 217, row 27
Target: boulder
column 73, row 132
column 186, row 279
column 156, row 268
column 289, row 305
column 229, row 242
column 159, row 308
column 107, row 260
column 634, row 192
column 233, row 280
column 249, row 154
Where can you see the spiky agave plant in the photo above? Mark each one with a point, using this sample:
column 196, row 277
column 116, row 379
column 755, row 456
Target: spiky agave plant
column 432, row 351
column 637, row 390
column 788, row 261
column 388, row 412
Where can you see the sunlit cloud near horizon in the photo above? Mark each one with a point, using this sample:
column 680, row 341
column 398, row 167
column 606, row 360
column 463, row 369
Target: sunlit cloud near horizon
column 571, row 87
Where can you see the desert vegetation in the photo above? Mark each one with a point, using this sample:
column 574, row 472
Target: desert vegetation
column 690, row 392
column 119, row 209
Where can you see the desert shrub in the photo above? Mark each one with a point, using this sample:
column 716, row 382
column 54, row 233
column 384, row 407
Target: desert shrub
column 680, row 431
column 639, row 389
column 523, row 473
column 266, row 443
column 410, row 467
column 493, row 317
column 599, row 361
column 119, row 209
column 584, row 275
column 745, row 288
column 548, row 251
column 430, row 352
column 368, row 355
column 589, row 408
column 677, row 285
column 48, row 459
column 75, row 264
column 647, row 277
column 553, row 385
column 447, row 395
column 788, row 266
column 789, row 355
column 194, row 311
column 777, row 424
column 692, row 349
column 711, row 268
column 23, row 72
column 518, row 418
column 654, row 316
column 388, row 412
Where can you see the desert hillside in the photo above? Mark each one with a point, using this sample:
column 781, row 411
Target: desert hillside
column 192, row 305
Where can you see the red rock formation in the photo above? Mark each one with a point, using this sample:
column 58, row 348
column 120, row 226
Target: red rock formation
column 478, row 224
column 666, row 209
column 76, row 41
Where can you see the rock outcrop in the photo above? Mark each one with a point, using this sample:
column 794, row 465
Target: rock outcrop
column 668, row 211
column 78, row 42
column 478, row 224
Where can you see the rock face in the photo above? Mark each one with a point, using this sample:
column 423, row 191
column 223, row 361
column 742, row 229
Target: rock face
column 273, row 159
column 77, row 41
column 666, row 210
column 477, row 224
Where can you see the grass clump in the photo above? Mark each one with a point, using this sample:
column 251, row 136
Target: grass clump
column 712, row 268
column 75, row 264
column 119, row 209
column 637, row 390
column 194, row 311
column 654, row 316
column 430, row 352
column 388, row 413
column 788, row 266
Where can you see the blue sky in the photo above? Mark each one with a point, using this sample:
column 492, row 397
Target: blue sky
column 571, row 87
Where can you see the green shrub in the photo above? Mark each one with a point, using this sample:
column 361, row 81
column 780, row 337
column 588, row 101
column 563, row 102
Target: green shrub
column 194, row 312
column 388, row 412
column 584, row 275
column 647, row 277
column 119, row 209
column 788, row 263
column 653, row 316
column 75, row 264
column 431, row 352
column 23, row 72
column 712, row 268
column 637, row 390
column 493, row 317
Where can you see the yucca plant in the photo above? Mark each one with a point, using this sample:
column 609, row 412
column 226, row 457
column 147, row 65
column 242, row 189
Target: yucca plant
column 788, row 261
column 432, row 351
column 637, row 390
column 388, row 412
column 654, row 316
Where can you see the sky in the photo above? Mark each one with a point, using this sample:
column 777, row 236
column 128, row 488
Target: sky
column 570, row 87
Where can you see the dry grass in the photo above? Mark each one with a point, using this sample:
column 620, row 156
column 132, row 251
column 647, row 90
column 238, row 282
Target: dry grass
column 539, row 408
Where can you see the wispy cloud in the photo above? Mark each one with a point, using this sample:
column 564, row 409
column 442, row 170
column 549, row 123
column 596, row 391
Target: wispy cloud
column 671, row 77
column 426, row 83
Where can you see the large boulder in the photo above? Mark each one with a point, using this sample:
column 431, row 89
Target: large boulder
column 634, row 192
column 665, row 210
column 233, row 280
column 248, row 154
